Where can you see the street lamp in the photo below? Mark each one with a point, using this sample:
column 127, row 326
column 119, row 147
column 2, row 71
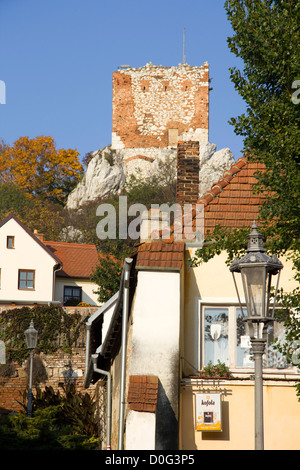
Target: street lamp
column 257, row 270
column 31, row 335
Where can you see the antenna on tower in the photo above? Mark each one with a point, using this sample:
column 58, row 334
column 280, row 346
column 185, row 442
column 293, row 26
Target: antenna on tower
column 184, row 45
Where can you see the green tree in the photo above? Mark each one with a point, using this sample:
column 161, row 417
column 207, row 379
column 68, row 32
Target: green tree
column 152, row 189
column 267, row 37
column 45, row 216
column 13, row 199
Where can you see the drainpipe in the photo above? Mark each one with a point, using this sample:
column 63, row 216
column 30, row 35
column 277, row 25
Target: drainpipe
column 108, row 415
column 127, row 268
column 56, row 268
column 87, row 346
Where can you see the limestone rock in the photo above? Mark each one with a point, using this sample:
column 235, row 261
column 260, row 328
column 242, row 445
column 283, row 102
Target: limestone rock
column 215, row 163
column 104, row 175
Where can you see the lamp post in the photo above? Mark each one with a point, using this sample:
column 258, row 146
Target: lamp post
column 257, row 270
column 31, row 335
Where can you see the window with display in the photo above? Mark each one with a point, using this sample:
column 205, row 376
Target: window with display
column 225, row 338
column 72, row 295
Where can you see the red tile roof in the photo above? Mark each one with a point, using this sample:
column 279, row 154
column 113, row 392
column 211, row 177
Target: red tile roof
column 160, row 254
column 142, row 392
column 231, row 202
column 78, row 260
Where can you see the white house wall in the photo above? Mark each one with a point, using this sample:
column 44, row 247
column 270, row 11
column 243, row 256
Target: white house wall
column 144, row 439
column 26, row 254
column 88, row 288
column 155, row 346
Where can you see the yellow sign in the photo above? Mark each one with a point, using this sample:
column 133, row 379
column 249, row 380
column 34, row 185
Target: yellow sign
column 208, row 412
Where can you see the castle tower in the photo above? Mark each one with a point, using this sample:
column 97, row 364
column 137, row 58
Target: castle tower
column 154, row 107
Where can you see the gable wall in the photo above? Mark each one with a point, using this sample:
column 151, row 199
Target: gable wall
column 27, row 254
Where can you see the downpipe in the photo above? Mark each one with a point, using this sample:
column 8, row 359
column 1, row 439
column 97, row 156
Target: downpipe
column 127, row 268
column 108, row 413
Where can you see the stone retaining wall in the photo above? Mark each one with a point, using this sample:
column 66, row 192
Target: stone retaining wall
column 53, row 369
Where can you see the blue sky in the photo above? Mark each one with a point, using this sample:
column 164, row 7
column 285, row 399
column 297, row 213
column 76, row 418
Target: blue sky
column 58, row 57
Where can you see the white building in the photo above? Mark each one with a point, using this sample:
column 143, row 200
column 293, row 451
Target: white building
column 36, row 271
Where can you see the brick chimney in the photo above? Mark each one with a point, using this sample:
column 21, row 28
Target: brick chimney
column 40, row 236
column 188, row 165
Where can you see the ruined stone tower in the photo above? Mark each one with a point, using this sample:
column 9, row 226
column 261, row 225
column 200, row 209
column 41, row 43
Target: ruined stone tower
column 154, row 107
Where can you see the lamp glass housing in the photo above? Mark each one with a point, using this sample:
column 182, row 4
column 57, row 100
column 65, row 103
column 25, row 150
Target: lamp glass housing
column 256, row 269
column 256, row 292
column 31, row 335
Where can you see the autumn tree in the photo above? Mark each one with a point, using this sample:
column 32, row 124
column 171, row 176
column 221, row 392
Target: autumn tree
column 38, row 168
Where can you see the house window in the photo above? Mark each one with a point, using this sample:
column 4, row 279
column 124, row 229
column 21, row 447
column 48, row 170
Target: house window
column 72, row 295
column 26, row 279
column 10, row 241
column 225, row 338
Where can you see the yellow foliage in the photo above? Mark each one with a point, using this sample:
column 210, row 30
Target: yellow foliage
column 37, row 167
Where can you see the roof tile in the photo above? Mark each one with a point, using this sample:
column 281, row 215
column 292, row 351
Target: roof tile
column 78, row 260
column 143, row 392
column 230, row 202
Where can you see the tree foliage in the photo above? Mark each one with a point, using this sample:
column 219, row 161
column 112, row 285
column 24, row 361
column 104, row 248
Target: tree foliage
column 65, row 421
column 37, row 167
column 266, row 37
column 139, row 189
column 44, row 216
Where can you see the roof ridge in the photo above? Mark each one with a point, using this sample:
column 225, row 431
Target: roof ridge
column 71, row 243
column 10, row 216
column 225, row 179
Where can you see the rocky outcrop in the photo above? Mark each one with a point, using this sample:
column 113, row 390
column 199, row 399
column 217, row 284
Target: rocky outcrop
column 106, row 173
column 212, row 165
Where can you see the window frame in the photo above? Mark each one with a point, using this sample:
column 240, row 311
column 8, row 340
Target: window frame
column 71, row 287
column 232, row 304
column 12, row 238
column 19, row 279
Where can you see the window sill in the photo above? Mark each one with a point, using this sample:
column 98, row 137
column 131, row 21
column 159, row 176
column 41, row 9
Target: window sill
column 239, row 377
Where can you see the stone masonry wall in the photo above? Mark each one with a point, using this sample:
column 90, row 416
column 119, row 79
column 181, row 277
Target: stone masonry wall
column 57, row 368
column 154, row 106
